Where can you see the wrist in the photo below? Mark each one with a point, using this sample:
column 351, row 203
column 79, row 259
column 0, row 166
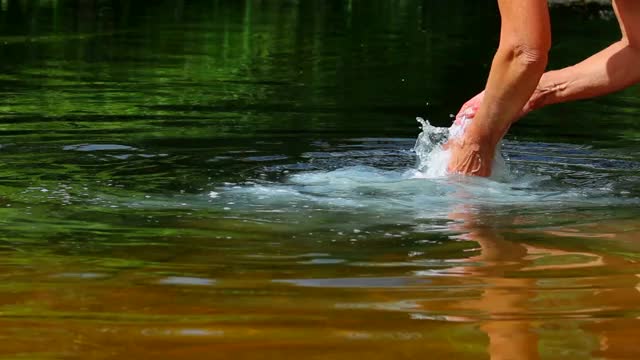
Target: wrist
column 550, row 86
column 537, row 101
column 480, row 134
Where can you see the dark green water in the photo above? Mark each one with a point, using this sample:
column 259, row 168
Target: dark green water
column 231, row 179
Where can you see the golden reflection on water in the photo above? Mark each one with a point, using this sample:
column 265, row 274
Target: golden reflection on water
column 520, row 308
column 509, row 299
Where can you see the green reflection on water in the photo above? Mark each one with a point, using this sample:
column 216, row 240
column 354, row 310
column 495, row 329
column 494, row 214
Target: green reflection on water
column 119, row 118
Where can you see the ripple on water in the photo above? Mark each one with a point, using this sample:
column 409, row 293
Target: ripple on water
column 538, row 174
column 265, row 158
column 99, row 147
column 361, row 282
column 182, row 332
column 81, row 275
column 322, row 262
column 186, row 281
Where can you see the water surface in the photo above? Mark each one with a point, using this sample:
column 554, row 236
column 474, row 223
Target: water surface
column 215, row 179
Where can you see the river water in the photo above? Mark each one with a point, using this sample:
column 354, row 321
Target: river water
column 238, row 179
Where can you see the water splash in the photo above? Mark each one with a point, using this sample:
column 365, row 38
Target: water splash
column 424, row 191
column 433, row 157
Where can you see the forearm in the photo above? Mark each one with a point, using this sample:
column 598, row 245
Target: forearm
column 521, row 58
column 610, row 70
column 525, row 38
column 512, row 80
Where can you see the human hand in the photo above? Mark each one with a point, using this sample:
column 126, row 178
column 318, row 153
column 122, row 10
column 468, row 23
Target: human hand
column 471, row 153
column 469, row 109
column 470, row 156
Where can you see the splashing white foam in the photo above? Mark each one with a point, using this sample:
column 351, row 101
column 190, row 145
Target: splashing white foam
column 368, row 195
column 373, row 195
column 433, row 158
